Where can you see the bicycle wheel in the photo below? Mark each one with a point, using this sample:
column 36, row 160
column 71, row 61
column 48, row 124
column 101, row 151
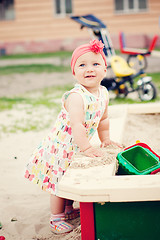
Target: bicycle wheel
column 137, row 62
column 147, row 92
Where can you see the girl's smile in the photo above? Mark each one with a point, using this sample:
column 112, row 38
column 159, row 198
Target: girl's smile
column 90, row 76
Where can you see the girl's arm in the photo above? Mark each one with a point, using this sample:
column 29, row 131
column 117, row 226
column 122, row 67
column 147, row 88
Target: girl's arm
column 75, row 107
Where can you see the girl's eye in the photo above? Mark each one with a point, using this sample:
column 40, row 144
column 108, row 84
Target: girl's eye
column 96, row 64
column 82, row 65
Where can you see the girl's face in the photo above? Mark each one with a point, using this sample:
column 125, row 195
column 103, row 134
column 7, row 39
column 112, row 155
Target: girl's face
column 90, row 69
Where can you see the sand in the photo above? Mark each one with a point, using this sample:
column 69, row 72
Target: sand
column 24, row 211
column 109, row 156
column 24, row 208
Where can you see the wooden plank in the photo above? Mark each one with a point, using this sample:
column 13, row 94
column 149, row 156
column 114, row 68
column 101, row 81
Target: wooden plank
column 118, row 116
column 144, row 108
column 112, row 189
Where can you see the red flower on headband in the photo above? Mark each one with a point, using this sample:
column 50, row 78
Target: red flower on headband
column 96, row 46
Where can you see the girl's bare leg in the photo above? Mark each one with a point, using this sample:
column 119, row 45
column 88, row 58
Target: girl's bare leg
column 57, row 223
column 57, row 204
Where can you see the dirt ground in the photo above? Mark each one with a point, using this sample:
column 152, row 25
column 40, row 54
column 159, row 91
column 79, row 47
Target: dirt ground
column 18, row 84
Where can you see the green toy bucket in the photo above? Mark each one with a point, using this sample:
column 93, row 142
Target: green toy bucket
column 137, row 160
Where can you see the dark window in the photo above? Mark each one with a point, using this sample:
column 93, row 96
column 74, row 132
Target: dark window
column 58, row 7
column 7, row 9
column 131, row 4
column 63, row 7
column 68, row 5
column 142, row 4
column 128, row 6
column 119, row 5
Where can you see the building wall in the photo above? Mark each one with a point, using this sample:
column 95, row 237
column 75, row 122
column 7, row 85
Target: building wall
column 37, row 29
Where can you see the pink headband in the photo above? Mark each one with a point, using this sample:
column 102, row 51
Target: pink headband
column 95, row 46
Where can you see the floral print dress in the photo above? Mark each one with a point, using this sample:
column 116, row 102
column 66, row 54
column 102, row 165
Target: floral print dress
column 55, row 153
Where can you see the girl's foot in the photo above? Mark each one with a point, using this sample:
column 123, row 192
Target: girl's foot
column 72, row 214
column 58, row 225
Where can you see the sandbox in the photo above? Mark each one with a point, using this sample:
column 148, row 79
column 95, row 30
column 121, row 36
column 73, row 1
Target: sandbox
column 122, row 207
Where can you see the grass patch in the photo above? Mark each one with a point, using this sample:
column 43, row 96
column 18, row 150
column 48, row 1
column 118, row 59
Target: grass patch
column 155, row 78
column 60, row 54
column 8, row 103
column 34, row 68
column 34, row 111
column 128, row 100
column 47, row 97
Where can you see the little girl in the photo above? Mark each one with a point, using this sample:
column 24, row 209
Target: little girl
column 84, row 110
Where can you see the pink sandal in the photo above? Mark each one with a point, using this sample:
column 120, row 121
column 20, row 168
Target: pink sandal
column 72, row 214
column 60, row 226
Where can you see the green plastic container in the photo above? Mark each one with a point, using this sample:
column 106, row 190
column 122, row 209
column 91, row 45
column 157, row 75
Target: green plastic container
column 137, row 160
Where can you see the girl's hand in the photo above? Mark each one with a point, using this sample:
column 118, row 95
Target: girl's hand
column 93, row 152
column 108, row 142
